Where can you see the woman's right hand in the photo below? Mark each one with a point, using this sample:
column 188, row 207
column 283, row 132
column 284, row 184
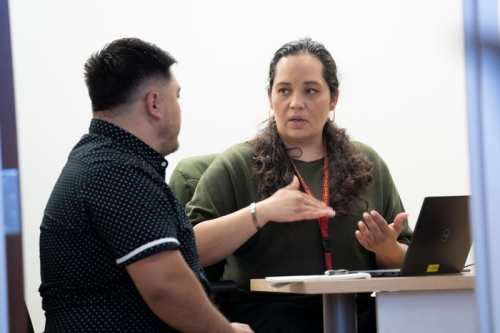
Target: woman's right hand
column 289, row 204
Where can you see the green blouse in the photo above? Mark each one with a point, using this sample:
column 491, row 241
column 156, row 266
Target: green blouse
column 290, row 248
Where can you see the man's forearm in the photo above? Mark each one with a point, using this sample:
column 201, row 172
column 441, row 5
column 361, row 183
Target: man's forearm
column 186, row 308
column 175, row 295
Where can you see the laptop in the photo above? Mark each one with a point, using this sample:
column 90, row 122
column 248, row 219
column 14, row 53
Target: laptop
column 441, row 240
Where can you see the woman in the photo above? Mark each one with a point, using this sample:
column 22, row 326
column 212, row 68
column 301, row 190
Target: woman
column 342, row 207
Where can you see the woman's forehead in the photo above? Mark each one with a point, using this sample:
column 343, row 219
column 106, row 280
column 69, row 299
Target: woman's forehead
column 302, row 66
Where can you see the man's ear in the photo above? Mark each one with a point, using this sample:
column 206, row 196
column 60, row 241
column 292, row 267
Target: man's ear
column 153, row 104
column 333, row 102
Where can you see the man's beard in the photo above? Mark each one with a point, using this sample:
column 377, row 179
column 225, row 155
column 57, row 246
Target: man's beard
column 169, row 138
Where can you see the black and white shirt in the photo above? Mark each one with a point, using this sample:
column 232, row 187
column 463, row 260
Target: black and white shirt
column 109, row 208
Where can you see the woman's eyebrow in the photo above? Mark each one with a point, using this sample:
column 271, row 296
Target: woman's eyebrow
column 312, row 82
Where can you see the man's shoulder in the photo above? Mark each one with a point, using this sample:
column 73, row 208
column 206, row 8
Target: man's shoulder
column 101, row 151
column 98, row 163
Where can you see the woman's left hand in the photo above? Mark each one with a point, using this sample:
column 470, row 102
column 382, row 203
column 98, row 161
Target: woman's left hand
column 376, row 235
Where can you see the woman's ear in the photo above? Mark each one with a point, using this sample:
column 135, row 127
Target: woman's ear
column 269, row 97
column 333, row 102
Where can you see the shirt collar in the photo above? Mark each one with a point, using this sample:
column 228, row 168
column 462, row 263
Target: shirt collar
column 129, row 140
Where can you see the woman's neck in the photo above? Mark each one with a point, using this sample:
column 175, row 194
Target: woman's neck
column 305, row 152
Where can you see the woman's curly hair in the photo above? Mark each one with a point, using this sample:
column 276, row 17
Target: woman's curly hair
column 350, row 171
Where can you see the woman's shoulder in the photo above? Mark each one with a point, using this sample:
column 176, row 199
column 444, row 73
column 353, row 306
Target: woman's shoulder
column 242, row 150
column 237, row 157
column 368, row 151
column 380, row 167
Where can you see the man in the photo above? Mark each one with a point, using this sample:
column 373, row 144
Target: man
column 117, row 251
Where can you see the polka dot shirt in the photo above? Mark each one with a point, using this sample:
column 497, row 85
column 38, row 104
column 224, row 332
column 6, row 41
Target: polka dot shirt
column 110, row 207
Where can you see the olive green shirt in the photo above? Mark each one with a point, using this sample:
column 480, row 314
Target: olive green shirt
column 296, row 248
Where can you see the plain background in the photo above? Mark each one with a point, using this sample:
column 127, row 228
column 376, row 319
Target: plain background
column 402, row 84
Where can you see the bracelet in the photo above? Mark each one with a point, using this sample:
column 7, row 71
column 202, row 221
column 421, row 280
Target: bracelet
column 254, row 216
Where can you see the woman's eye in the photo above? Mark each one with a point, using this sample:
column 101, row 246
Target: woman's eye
column 282, row 91
column 310, row 91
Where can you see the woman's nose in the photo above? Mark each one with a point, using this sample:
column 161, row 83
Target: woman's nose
column 297, row 101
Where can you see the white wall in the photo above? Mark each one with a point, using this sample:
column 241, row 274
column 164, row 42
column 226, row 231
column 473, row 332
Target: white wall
column 402, row 83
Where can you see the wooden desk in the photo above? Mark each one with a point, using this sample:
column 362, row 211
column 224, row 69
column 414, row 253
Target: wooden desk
column 440, row 303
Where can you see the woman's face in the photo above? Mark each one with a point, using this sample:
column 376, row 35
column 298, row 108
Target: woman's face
column 301, row 100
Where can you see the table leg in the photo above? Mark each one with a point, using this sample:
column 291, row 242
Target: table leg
column 339, row 313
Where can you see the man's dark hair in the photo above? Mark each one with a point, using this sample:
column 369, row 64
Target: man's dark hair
column 113, row 73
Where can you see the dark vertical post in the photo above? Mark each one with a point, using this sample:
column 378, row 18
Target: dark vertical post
column 18, row 315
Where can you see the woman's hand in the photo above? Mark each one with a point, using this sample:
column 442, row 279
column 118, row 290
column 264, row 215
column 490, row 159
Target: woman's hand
column 376, row 235
column 289, row 204
column 218, row 238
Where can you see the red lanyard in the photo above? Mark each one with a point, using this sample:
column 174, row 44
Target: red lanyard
column 325, row 197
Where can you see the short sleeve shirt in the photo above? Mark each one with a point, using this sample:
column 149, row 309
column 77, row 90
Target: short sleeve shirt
column 110, row 207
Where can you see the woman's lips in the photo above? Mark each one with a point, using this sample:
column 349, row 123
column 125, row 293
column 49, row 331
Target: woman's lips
column 297, row 122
